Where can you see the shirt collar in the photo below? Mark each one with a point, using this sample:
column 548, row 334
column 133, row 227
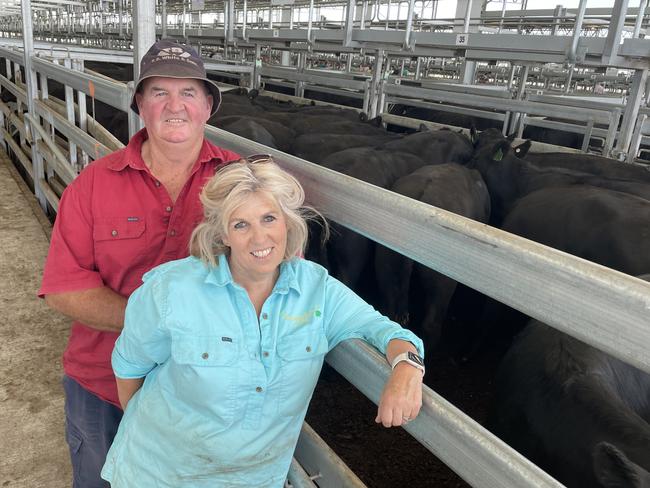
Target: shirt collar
column 132, row 155
column 220, row 275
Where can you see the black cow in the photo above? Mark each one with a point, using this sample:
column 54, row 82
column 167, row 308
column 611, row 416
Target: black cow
column 282, row 136
column 349, row 253
column 316, row 147
column 434, row 146
column 578, row 413
column 510, row 178
column 251, row 130
column 413, row 294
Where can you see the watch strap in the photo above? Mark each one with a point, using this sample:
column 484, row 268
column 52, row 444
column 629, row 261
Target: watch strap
column 404, row 357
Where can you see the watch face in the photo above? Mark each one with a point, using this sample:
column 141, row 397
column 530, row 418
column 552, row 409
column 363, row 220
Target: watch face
column 415, row 358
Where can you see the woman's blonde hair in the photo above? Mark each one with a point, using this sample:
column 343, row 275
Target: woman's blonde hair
column 230, row 187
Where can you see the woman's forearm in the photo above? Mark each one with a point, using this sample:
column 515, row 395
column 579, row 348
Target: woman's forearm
column 398, row 346
column 126, row 388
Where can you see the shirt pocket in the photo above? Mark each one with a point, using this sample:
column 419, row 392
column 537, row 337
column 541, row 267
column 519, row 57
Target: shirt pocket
column 204, row 376
column 120, row 241
column 301, row 357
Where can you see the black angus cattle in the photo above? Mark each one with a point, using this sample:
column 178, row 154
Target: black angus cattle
column 445, row 118
column 251, row 130
column 316, row 147
column 606, row 227
column 411, row 293
column 581, row 415
column 509, row 178
column 586, row 163
column 348, row 254
column 282, row 136
column 434, row 146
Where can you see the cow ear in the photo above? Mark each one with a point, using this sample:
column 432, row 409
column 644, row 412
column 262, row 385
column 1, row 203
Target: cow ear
column 511, row 137
column 500, row 150
column 473, row 135
column 613, row 469
column 522, row 149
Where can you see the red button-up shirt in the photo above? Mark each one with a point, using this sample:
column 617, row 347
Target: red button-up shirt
column 116, row 222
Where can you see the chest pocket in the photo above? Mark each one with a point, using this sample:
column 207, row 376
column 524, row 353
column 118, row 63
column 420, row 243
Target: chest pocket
column 205, row 375
column 301, row 357
column 118, row 229
column 121, row 243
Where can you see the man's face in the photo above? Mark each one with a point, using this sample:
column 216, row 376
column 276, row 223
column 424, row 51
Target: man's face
column 174, row 110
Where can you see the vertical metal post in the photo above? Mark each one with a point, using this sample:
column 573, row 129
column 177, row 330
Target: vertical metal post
column 349, row 22
column 70, row 113
column 577, row 29
column 503, row 14
column 364, row 10
column 636, row 139
column 244, row 19
column 468, row 15
column 377, row 76
column 409, row 25
column 388, row 14
column 639, row 18
column 631, row 110
column 516, row 122
column 300, row 85
column 163, row 19
column 614, row 32
column 230, row 4
column 144, row 35
column 184, row 7
column 257, row 67
column 569, row 77
column 311, row 14
column 611, row 133
column 28, row 50
column 78, row 65
column 418, row 68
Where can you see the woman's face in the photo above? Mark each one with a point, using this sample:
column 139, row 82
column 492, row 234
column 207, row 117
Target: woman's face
column 257, row 237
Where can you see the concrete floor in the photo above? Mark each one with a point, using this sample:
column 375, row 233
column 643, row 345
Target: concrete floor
column 33, row 452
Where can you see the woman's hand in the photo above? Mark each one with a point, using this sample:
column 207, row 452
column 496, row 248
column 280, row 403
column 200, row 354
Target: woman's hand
column 401, row 399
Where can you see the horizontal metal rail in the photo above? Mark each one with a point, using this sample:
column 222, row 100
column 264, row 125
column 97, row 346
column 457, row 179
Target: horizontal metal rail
column 318, row 459
column 113, row 93
column 293, row 75
column 476, row 455
column 600, row 306
column 482, row 101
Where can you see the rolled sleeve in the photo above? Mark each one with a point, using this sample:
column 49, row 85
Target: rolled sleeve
column 145, row 340
column 349, row 316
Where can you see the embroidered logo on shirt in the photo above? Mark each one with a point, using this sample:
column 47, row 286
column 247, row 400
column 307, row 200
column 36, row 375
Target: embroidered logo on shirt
column 132, row 219
column 303, row 318
column 226, row 339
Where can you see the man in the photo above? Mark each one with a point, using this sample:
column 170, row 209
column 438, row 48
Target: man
column 123, row 215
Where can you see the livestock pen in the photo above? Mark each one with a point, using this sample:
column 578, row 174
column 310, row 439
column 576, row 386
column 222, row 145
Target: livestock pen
column 598, row 306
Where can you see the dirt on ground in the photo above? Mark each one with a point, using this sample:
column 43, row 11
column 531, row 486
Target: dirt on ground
column 33, row 452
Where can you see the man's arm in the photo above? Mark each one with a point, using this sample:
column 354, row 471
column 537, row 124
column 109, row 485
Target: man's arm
column 100, row 308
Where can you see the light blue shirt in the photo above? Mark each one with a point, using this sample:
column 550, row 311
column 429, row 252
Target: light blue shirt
column 225, row 395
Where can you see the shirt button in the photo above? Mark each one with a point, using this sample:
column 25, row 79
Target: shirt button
column 265, row 354
column 113, row 232
column 265, row 316
column 157, row 183
column 308, row 348
column 172, row 233
column 205, row 355
column 168, row 208
column 258, row 389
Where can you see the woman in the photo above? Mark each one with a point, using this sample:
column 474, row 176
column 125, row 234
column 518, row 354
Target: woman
column 221, row 351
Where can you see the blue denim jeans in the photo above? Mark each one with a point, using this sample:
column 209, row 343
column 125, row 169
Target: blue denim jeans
column 90, row 426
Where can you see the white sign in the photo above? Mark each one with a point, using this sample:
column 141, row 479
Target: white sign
column 461, row 39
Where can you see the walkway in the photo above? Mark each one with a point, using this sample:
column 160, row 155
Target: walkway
column 33, row 452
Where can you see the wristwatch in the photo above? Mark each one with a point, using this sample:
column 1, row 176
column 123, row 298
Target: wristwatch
column 409, row 357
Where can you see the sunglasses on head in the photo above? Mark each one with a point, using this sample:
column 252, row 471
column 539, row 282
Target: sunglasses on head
column 259, row 159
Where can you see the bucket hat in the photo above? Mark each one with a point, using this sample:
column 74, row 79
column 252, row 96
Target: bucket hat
column 172, row 60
